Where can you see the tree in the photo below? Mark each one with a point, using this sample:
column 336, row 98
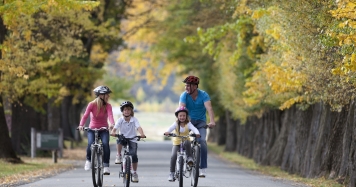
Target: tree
column 9, row 19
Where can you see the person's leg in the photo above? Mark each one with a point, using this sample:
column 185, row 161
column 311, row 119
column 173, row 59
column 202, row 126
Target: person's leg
column 175, row 149
column 188, row 148
column 104, row 135
column 118, row 154
column 90, row 141
column 118, row 148
column 203, row 146
column 133, row 152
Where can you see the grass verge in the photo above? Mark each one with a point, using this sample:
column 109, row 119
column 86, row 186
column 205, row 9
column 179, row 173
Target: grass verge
column 269, row 170
column 39, row 167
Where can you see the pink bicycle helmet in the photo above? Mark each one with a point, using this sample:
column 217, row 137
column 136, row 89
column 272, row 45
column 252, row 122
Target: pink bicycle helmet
column 181, row 109
column 191, row 80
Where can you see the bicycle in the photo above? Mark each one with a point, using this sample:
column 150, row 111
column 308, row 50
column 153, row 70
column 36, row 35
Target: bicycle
column 196, row 160
column 182, row 168
column 97, row 154
column 126, row 163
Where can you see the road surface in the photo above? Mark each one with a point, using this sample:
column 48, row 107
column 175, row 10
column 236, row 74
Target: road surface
column 153, row 170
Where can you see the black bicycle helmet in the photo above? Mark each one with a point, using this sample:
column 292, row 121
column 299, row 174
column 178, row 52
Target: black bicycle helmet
column 101, row 90
column 124, row 104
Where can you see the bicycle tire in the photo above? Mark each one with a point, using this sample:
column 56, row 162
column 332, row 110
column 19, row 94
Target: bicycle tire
column 181, row 164
column 100, row 171
column 195, row 170
column 127, row 174
column 94, row 165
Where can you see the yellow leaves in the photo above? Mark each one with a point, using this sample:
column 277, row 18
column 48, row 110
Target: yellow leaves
column 242, row 9
column 274, row 32
column 257, row 14
column 98, row 55
column 348, row 66
column 291, row 102
column 282, row 78
column 64, row 91
column 346, row 9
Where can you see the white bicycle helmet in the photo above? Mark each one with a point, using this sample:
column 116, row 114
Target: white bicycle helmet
column 100, row 90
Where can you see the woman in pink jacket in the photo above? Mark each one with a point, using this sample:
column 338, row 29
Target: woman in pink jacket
column 100, row 111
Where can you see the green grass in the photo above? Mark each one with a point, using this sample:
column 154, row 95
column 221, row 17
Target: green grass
column 269, row 170
column 7, row 169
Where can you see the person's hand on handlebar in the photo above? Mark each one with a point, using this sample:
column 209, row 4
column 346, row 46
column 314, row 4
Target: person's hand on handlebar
column 197, row 135
column 80, row 128
column 166, row 133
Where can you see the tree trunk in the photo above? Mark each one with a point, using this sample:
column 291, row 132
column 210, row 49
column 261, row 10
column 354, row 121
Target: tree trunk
column 23, row 118
column 65, row 118
column 6, row 150
column 230, row 133
column 221, row 131
column 53, row 115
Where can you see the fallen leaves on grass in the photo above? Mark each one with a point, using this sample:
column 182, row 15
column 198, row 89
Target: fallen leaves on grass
column 68, row 161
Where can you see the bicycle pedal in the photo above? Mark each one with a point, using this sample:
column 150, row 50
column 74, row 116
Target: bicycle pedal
column 106, row 173
column 134, row 181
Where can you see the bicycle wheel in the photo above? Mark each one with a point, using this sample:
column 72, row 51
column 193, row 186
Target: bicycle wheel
column 100, row 168
column 127, row 174
column 195, row 170
column 181, row 164
column 94, row 165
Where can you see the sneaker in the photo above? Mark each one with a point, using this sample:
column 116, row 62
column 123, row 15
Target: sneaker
column 106, row 171
column 202, row 173
column 171, row 177
column 134, row 177
column 118, row 159
column 190, row 161
column 87, row 165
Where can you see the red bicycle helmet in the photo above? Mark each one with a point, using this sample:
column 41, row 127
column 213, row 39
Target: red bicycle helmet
column 191, row 80
column 181, row 109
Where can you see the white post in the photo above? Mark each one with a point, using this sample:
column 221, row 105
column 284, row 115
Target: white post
column 33, row 142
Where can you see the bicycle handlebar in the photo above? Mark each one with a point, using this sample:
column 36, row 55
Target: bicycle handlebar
column 178, row 136
column 95, row 129
column 138, row 138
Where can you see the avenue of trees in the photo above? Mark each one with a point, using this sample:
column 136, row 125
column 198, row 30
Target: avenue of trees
column 253, row 57
column 281, row 75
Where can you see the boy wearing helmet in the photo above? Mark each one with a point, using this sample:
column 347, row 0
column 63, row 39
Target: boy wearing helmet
column 128, row 125
column 181, row 127
column 100, row 111
column 198, row 103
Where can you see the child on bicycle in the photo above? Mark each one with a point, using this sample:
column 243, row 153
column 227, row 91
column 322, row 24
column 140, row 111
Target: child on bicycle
column 128, row 125
column 181, row 127
column 100, row 112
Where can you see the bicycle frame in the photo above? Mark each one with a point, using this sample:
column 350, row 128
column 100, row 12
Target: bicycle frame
column 126, row 164
column 182, row 168
column 196, row 157
column 97, row 154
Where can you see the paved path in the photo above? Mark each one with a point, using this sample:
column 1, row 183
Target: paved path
column 153, row 170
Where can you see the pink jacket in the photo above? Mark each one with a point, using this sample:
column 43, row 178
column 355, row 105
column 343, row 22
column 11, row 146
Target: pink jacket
column 97, row 121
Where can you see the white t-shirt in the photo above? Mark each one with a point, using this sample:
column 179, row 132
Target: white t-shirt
column 128, row 129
